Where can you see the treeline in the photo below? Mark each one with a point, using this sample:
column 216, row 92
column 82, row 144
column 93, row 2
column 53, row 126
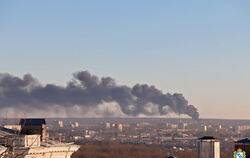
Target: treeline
column 125, row 151
column 116, row 150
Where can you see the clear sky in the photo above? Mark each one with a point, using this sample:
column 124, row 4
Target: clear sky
column 198, row 48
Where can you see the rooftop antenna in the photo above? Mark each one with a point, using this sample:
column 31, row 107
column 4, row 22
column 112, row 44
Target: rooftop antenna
column 179, row 118
column 24, row 115
column 5, row 119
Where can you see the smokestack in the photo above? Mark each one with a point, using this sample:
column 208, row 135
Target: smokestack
column 87, row 90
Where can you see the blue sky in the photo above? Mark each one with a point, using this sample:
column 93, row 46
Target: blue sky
column 198, row 48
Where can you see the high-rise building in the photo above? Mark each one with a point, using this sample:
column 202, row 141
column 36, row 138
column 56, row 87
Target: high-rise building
column 60, row 123
column 208, row 147
column 119, row 126
column 107, row 125
column 205, row 128
column 76, row 124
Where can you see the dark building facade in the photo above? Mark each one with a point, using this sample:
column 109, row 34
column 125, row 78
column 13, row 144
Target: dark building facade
column 31, row 126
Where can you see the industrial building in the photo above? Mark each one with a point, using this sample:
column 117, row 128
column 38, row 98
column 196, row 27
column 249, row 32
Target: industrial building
column 31, row 142
column 208, row 147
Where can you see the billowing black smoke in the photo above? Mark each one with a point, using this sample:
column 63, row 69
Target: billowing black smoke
column 89, row 91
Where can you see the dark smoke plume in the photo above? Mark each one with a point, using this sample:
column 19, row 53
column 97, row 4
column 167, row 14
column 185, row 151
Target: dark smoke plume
column 89, row 91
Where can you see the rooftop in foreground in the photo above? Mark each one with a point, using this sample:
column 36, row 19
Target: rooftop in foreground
column 208, row 138
column 243, row 141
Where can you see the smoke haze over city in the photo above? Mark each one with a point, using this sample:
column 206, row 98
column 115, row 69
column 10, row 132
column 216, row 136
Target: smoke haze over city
column 86, row 95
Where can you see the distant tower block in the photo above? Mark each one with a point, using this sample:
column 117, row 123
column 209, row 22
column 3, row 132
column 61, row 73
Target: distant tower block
column 60, row 123
column 119, row 126
column 76, row 124
column 107, row 125
column 205, row 128
column 208, row 147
